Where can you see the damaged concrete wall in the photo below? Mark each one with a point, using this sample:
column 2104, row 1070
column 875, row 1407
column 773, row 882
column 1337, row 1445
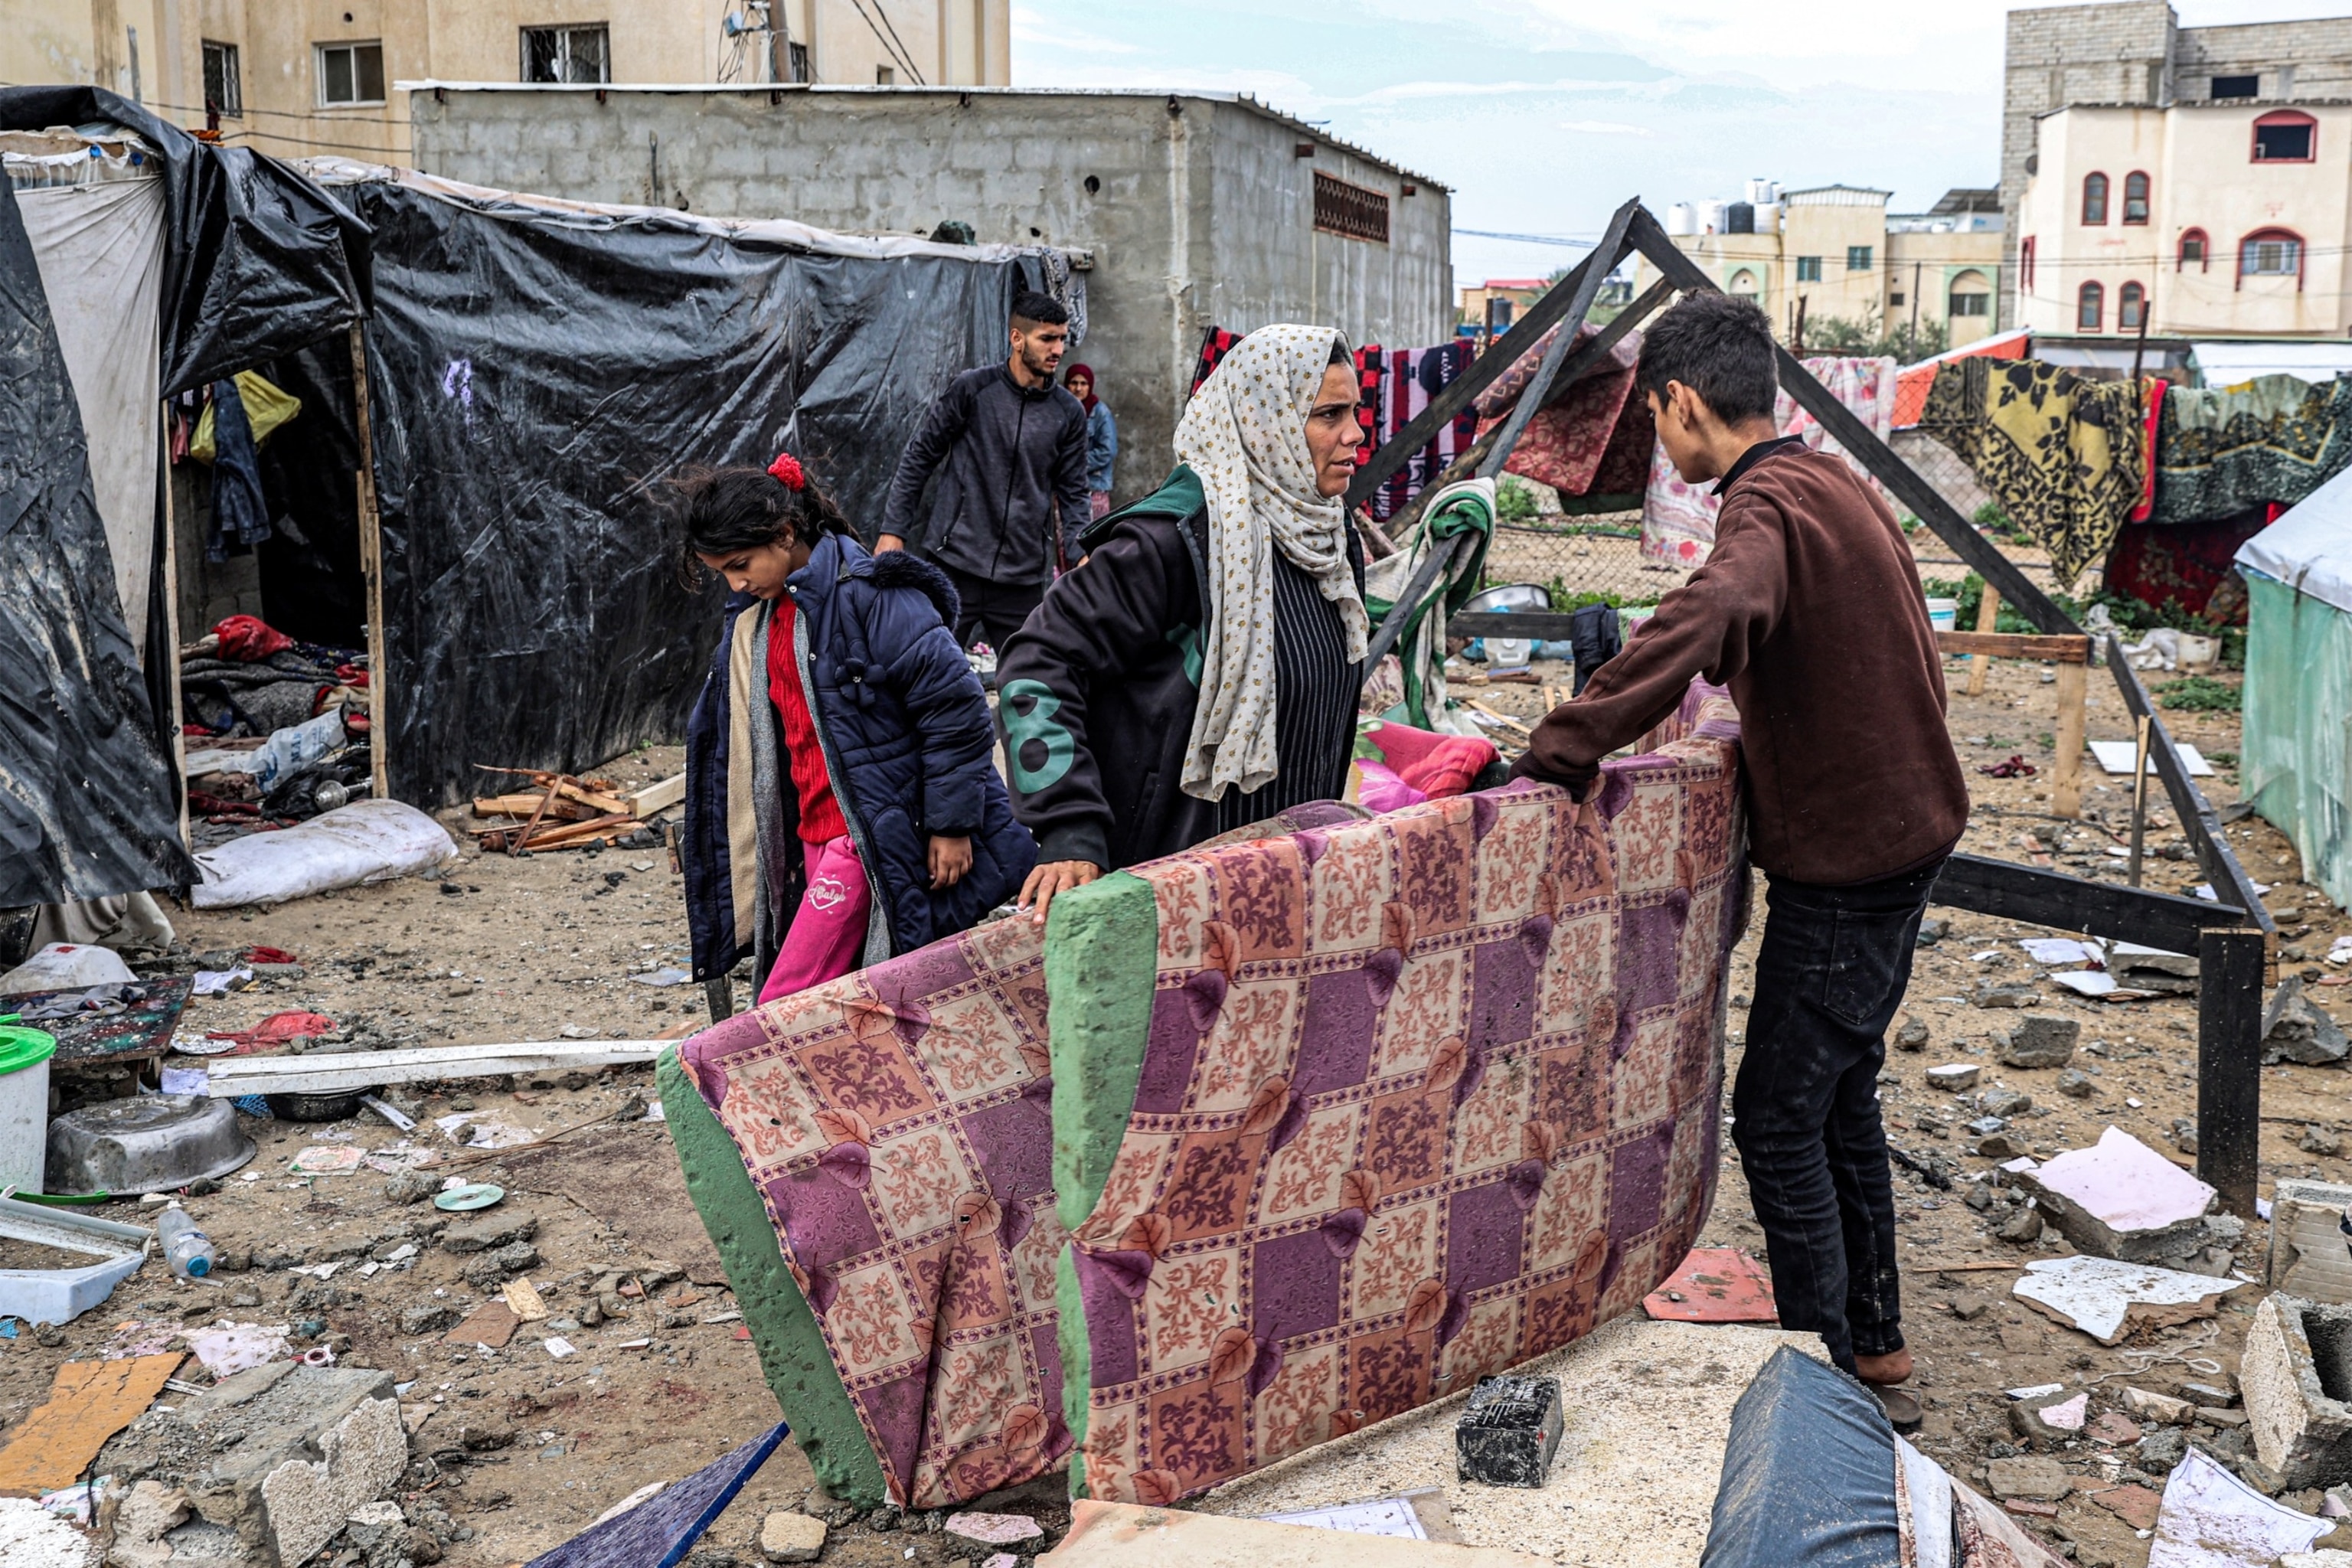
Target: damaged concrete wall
column 1198, row 210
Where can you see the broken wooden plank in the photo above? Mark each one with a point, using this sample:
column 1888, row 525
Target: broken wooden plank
column 330, row 1072
column 2063, row 649
column 655, row 798
column 594, row 828
column 525, row 805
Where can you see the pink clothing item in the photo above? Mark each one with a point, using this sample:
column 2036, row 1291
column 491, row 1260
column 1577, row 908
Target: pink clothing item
column 1098, row 504
column 828, row 931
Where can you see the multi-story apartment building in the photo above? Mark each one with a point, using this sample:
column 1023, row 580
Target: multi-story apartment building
column 301, row 77
column 2193, row 178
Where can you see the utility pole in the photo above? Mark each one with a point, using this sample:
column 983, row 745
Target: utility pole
column 1914, row 309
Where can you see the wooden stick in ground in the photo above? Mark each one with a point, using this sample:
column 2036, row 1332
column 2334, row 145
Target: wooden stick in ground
column 2139, row 799
column 2066, row 778
column 1988, row 620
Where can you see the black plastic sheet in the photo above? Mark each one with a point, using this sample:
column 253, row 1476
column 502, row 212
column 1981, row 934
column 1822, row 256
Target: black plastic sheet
column 258, row 261
column 87, row 807
column 1807, row 1474
column 533, row 377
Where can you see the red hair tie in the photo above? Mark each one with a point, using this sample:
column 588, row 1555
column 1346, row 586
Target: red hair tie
column 787, row 470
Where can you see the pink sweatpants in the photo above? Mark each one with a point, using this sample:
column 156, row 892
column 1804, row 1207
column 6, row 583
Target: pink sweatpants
column 828, row 932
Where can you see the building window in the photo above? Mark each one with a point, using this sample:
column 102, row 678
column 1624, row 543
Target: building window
column 2286, row 137
column 2271, row 253
column 884, row 75
column 1896, row 297
column 1970, row 304
column 2237, row 87
column 2193, row 249
column 2090, row 307
column 796, row 61
column 350, row 73
column 2131, row 308
column 566, row 54
column 1350, row 210
column 2025, row 264
column 2135, row 198
column 2094, row 198
column 1808, row 269
column 1499, row 311
column 224, row 91
column 1857, row 258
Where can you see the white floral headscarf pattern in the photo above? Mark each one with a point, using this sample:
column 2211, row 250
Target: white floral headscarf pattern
column 1243, row 435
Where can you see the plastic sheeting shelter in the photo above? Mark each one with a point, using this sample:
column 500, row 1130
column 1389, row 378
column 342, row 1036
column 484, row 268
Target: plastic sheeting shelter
column 535, row 368
column 2297, row 746
column 247, row 262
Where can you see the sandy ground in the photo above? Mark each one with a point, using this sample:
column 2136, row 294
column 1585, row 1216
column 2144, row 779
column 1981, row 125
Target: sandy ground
column 531, row 946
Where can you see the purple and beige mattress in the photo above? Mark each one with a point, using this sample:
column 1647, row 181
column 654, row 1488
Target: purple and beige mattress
column 1252, row 1146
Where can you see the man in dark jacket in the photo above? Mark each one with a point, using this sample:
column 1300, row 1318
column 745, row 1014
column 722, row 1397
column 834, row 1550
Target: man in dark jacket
column 1810, row 609
column 1014, row 447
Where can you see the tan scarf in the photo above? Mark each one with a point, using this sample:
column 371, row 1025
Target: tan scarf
column 1243, row 436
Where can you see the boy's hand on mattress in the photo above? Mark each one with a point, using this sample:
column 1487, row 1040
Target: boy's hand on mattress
column 1053, row 878
column 951, row 859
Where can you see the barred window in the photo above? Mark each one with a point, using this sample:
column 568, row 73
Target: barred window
column 1350, row 210
column 567, row 54
column 224, row 87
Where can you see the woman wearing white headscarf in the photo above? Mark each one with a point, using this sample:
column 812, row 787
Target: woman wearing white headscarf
column 1199, row 671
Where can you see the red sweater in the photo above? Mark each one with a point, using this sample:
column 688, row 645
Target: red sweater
column 821, row 819
column 1810, row 610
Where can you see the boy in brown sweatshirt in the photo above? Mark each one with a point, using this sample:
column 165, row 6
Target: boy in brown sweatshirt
column 1811, row 611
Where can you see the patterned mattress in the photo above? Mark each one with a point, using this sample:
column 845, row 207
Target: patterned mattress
column 1259, row 1144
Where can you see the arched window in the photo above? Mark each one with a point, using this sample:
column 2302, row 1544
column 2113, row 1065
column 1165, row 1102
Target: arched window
column 2090, row 307
column 1970, row 295
column 2286, row 136
column 2271, row 253
column 2131, row 308
column 2094, row 198
column 2196, row 251
column 2135, row 198
column 1743, row 282
column 2025, row 264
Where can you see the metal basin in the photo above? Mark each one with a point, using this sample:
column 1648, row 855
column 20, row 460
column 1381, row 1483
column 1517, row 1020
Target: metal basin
column 148, row 1143
column 1509, row 597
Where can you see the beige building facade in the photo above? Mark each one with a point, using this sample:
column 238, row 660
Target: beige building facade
column 1836, row 253
column 299, row 78
column 2203, row 219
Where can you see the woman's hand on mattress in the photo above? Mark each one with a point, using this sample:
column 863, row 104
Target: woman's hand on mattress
column 951, row 859
column 1055, row 877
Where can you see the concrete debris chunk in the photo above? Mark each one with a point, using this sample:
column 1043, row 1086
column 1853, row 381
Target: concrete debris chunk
column 1954, row 1076
column 2052, row 1418
column 2033, row 1477
column 1911, row 1037
column 2039, row 1040
column 2295, row 1373
column 2295, row 1029
column 2155, row 1406
column 2004, row 1103
column 2121, row 1199
column 789, row 1537
column 2309, row 1256
column 978, row 1535
column 1990, row 995
column 2106, row 1298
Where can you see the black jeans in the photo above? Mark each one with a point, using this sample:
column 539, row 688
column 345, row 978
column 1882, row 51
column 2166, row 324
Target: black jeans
column 1831, row 972
column 992, row 611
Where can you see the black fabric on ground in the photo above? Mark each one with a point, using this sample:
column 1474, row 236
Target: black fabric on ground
column 1807, row 1474
column 85, row 802
column 257, row 260
column 534, row 378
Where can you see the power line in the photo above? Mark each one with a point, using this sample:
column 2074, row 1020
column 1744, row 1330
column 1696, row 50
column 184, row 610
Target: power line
column 1531, row 238
column 895, row 50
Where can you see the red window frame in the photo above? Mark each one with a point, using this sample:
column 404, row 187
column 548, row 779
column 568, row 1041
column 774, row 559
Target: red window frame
column 2091, row 299
column 2131, row 300
column 2105, row 188
column 2136, row 180
column 2204, row 254
column 2255, row 236
column 2282, row 117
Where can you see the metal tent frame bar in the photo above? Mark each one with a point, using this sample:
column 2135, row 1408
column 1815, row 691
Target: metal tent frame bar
column 2231, row 937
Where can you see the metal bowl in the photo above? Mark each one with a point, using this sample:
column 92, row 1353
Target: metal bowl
column 1509, row 597
column 148, row 1143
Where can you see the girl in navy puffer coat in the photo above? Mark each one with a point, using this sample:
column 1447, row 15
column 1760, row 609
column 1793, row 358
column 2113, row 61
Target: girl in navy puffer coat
column 842, row 806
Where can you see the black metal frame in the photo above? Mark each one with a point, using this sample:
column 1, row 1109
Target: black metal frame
column 2230, row 936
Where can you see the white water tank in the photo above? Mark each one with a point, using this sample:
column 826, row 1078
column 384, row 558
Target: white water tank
column 1768, row 217
column 1681, row 218
column 1711, row 217
column 1763, row 192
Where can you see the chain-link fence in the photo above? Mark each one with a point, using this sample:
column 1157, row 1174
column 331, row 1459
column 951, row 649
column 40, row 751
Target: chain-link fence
column 1580, row 558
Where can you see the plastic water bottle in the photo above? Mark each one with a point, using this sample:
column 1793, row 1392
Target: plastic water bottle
column 296, row 746
column 188, row 1251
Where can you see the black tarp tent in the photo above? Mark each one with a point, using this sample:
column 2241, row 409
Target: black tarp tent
column 257, row 260
column 535, row 367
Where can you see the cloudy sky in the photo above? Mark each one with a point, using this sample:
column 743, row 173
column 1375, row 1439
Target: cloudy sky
column 1544, row 114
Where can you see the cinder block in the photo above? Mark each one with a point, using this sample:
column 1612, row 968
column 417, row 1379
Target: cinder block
column 2294, row 1375
column 2311, row 1257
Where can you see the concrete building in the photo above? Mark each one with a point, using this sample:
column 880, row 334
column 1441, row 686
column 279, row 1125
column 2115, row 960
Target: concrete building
column 1491, row 307
column 2134, row 54
column 1834, row 253
column 303, row 77
column 1199, row 209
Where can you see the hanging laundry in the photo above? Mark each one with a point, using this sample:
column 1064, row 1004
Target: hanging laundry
column 1678, row 518
column 2187, row 567
column 1593, row 438
column 1410, row 379
column 267, row 407
column 2220, row 450
column 2067, row 458
column 240, row 515
column 1214, row 346
column 1912, row 382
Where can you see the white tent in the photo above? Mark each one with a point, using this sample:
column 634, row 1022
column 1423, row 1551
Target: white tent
column 2297, row 760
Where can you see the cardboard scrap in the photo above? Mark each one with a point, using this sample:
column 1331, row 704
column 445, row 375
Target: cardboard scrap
column 524, row 1299
column 492, row 1323
column 2106, row 1298
column 1714, row 1285
column 2210, row 1519
column 90, row 1402
column 227, row 1348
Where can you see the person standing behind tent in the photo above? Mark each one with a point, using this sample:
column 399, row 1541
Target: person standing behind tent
column 842, row 806
column 1102, row 438
column 1199, row 671
column 1014, row 448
